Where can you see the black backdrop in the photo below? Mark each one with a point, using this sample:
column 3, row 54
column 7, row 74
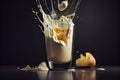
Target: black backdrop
column 96, row 31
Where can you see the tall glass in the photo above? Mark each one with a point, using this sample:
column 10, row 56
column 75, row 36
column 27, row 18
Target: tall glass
column 59, row 53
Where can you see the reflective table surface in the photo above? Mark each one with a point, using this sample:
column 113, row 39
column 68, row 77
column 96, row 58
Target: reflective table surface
column 95, row 73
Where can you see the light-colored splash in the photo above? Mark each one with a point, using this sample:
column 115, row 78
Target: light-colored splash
column 57, row 22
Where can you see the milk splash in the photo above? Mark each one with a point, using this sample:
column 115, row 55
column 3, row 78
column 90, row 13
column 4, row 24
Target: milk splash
column 57, row 22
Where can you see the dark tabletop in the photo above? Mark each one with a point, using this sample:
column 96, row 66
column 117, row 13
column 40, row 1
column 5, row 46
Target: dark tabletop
column 95, row 73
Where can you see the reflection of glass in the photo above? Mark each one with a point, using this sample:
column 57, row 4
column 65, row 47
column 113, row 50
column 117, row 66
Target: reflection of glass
column 86, row 75
column 57, row 26
column 80, row 74
column 60, row 75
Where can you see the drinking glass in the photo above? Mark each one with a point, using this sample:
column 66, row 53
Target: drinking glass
column 59, row 54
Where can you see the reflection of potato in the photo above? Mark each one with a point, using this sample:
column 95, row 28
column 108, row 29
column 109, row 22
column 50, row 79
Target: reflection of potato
column 85, row 74
column 86, row 61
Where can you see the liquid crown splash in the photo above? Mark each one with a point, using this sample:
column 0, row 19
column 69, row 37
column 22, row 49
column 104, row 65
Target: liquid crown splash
column 56, row 22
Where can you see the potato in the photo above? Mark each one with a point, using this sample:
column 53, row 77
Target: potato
column 86, row 61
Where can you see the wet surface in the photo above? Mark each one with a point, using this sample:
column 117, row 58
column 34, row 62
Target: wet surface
column 95, row 73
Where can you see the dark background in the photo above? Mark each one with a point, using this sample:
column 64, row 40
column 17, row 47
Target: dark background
column 97, row 31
